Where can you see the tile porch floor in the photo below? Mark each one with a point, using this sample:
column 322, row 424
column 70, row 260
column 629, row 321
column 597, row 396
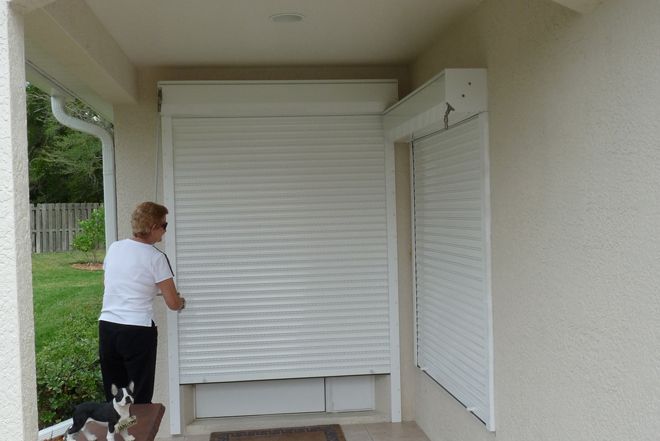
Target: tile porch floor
column 406, row 431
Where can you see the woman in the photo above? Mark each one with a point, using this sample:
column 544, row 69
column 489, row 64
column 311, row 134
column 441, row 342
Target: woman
column 135, row 272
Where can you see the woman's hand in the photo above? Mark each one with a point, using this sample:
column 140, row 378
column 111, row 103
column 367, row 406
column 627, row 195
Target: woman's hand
column 172, row 298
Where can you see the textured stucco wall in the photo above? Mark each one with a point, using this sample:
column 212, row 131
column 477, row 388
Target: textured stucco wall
column 138, row 162
column 575, row 153
column 18, row 410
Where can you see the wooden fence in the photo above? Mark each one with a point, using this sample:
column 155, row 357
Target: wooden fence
column 53, row 226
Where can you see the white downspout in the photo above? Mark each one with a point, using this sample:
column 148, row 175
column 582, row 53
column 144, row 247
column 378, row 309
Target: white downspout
column 108, row 151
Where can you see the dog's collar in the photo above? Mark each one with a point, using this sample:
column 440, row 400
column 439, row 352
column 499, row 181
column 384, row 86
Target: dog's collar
column 126, row 423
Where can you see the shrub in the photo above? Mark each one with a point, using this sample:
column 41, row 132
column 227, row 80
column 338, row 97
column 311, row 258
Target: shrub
column 92, row 236
column 68, row 371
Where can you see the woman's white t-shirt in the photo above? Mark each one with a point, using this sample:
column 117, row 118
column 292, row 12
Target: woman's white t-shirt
column 132, row 270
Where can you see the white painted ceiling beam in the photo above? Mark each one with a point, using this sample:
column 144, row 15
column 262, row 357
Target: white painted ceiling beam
column 581, row 6
column 66, row 42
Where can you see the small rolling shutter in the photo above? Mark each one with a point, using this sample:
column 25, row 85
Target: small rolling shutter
column 451, row 220
column 281, row 247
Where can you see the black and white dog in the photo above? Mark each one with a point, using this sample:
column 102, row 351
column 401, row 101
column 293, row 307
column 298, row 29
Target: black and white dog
column 114, row 414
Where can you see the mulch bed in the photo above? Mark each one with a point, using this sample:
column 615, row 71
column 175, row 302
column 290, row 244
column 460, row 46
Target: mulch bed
column 88, row 266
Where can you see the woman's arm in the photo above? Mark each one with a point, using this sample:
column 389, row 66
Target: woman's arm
column 171, row 296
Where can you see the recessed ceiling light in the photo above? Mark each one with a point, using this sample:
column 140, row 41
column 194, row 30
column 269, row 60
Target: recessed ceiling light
column 287, row 17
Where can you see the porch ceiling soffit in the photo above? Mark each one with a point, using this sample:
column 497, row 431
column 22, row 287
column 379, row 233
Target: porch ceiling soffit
column 581, row 6
column 67, row 43
column 25, row 6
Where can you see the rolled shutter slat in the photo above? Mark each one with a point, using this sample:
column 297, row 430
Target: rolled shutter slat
column 281, row 242
column 451, row 264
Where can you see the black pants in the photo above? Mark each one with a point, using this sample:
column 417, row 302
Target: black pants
column 128, row 353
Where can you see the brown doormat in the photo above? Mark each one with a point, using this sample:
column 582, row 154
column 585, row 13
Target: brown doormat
column 306, row 433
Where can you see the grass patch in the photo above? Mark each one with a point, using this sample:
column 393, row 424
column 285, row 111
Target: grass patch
column 67, row 303
column 60, row 290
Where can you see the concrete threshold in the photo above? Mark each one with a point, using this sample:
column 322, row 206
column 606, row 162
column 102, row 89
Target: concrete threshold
column 204, row 426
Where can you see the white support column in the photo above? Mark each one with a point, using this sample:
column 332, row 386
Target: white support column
column 18, row 406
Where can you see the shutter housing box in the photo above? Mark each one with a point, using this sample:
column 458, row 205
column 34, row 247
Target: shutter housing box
column 422, row 111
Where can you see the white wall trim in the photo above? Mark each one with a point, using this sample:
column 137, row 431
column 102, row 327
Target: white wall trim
column 413, row 269
column 170, row 248
column 393, row 276
column 56, row 430
column 487, row 221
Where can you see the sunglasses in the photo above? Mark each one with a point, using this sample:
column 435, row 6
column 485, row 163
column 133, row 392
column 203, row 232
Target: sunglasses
column 164, row 226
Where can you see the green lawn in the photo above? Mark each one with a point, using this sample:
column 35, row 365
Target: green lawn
column 60, row 290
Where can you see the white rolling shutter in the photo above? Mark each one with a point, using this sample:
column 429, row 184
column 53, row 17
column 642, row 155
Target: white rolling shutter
column 281, row 247
column 452, row 259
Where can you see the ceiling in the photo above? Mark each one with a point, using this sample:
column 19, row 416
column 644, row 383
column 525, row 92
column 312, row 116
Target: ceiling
column 240, row 32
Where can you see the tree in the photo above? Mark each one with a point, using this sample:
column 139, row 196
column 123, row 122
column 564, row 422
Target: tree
column 92, row 235
column 65, row 165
